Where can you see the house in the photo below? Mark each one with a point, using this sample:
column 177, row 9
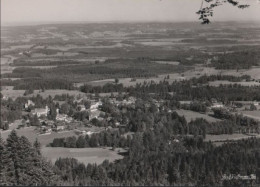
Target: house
column 217, row 105
column 5, row 98
column 95, row 105
column 59, row 127
column 63, row 117
column 29, row 103
column 41, row 111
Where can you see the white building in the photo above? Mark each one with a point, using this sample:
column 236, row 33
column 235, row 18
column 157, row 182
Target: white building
column 95, row 106
column 59, row 127
column 217, row 105
column 29, row 103
column 63, row 117
column 5, row 98
column 41, row 111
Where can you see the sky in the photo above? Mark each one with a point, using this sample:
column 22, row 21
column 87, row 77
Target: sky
column 39, row 11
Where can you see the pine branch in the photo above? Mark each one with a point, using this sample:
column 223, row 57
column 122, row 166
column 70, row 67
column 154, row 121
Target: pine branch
column 207, row 12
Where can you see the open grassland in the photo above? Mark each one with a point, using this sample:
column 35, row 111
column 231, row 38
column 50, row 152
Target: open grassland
column 190, row 115
column 252, row 114
column 9, row 92
column 84, row 155
column 193, row 72
column 129, row 82
column 31, row 134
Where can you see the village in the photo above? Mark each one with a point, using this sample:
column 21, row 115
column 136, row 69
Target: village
column 92, row 118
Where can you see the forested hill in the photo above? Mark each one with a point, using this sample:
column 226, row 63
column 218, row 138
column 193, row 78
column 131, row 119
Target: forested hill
column 152, row 159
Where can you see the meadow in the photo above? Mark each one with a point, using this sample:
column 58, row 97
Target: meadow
column 84, row 155
column 32, row 134
column 9, row 92
column 252, row 114
column 191, row 115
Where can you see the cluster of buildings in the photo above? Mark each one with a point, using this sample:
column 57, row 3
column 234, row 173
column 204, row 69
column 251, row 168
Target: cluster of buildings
column 129, row 101
column 47, row 126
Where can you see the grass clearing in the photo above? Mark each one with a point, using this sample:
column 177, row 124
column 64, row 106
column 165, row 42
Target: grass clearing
column 191, row 115
column 128, row 81
column 84, row 155
column 252, row 114
column 9, row 92
column 31, row 134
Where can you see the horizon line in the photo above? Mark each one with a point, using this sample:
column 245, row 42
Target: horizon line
column 33, row 23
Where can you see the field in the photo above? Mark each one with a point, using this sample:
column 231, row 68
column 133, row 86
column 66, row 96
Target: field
column 190, row 115
column 128, row 81
column 252, row 114
column 196, row 71
column 9, row 92
column 84, row 155
column 31, row 134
